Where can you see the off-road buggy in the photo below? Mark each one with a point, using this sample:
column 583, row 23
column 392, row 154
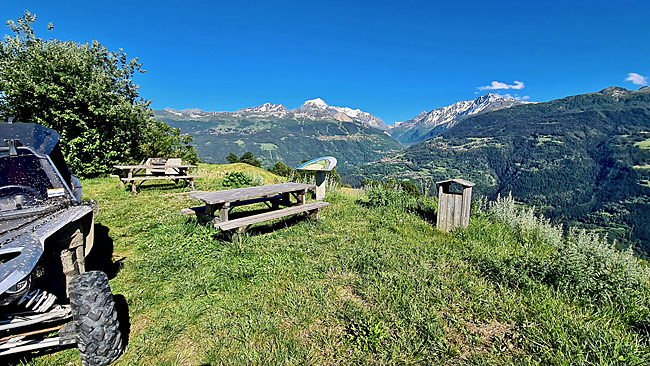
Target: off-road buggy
column 47, row 298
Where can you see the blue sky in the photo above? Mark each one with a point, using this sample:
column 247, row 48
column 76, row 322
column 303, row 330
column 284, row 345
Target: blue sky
column 390, row 58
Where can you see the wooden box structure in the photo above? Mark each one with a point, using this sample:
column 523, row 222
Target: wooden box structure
column 453, row 207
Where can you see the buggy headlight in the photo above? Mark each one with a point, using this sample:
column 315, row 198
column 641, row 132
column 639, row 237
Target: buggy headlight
column 20, row 286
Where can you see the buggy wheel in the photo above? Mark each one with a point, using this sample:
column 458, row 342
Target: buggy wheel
column 95, row 319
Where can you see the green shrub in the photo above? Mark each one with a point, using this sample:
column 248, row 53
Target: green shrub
column 379, row 197
column 88, row 95
column 592, row 268
column 249, row 159
column 238, row 179
column 281, row 169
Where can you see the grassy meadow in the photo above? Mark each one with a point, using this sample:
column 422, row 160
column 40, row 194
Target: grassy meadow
column 371, row 282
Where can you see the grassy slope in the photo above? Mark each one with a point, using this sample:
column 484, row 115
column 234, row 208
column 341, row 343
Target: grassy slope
column 361, row 285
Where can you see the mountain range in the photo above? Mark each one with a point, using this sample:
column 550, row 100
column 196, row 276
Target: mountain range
column 583, row 159
column 314, row 109
column 274, row 133
column 420, row 128
column 425, row 125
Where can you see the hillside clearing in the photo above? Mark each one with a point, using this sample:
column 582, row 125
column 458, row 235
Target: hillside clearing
column 643, row 145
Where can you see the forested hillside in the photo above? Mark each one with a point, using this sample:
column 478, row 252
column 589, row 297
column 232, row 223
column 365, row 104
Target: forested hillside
column 290, row 140
column 583, row 158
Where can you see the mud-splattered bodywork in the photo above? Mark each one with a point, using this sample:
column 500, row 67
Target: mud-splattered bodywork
column 36, row 200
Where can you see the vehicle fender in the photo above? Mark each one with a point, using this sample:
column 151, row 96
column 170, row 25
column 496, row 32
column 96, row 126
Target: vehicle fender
column 25, row 248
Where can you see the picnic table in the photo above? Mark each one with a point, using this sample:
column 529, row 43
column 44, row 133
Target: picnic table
column 218, row 204
column 134, row 174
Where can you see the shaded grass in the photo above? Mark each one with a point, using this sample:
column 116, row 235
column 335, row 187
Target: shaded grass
column 362, row 285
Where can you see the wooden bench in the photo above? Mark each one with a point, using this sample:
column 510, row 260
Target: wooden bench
column 139, row 180
column 243, row 223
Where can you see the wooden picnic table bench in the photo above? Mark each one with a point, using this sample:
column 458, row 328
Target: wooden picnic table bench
column 175, row 172
column 218, row 204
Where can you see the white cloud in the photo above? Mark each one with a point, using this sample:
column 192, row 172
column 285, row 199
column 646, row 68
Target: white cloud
column 517, row 97
column 499, row 85
column 637, row 79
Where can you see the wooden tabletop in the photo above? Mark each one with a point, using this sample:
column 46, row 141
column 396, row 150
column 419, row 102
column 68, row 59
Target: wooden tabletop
column 240, row 194
column 125, row 167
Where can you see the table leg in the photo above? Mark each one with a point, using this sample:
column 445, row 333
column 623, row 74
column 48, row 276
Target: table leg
column 301, row 197
column 134, row 188
column 286, row 199
column 223, row 208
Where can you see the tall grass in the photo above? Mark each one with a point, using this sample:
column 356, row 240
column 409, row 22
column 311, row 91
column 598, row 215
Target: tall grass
column 331, row 185
column 527, row 250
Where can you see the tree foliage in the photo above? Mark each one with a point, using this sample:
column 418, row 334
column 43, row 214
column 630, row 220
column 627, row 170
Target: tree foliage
column 281, row 169
column 232, row 158
column 164, row 141
column 84, row 92
column 249, row 159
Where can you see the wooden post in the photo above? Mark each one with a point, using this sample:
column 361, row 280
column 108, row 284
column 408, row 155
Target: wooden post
column 453, row 208
column 301, row 197
column 320, row 185
column 223, row 212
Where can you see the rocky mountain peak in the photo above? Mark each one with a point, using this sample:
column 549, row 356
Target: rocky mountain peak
column 614, row 91
column 318, row 102
column 428, row 125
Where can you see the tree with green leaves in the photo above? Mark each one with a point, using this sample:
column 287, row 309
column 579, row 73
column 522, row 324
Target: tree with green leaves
column 161, row 140
column 232, row 158
column 87, row 94
column 281, row 169
column 249, row 158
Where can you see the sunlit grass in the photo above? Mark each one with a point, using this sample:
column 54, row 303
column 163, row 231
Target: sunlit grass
column 361, row 285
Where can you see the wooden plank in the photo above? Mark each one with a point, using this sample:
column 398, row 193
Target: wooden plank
column 271, row 215
column 240, row 194
column 450, row 213
column 138, row 179
column 224, row 211
column 458, row 210
column 441, row 213
column 467, row 204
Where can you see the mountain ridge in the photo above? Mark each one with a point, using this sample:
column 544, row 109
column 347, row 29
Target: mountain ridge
column 314, row 109
column 436, row 122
